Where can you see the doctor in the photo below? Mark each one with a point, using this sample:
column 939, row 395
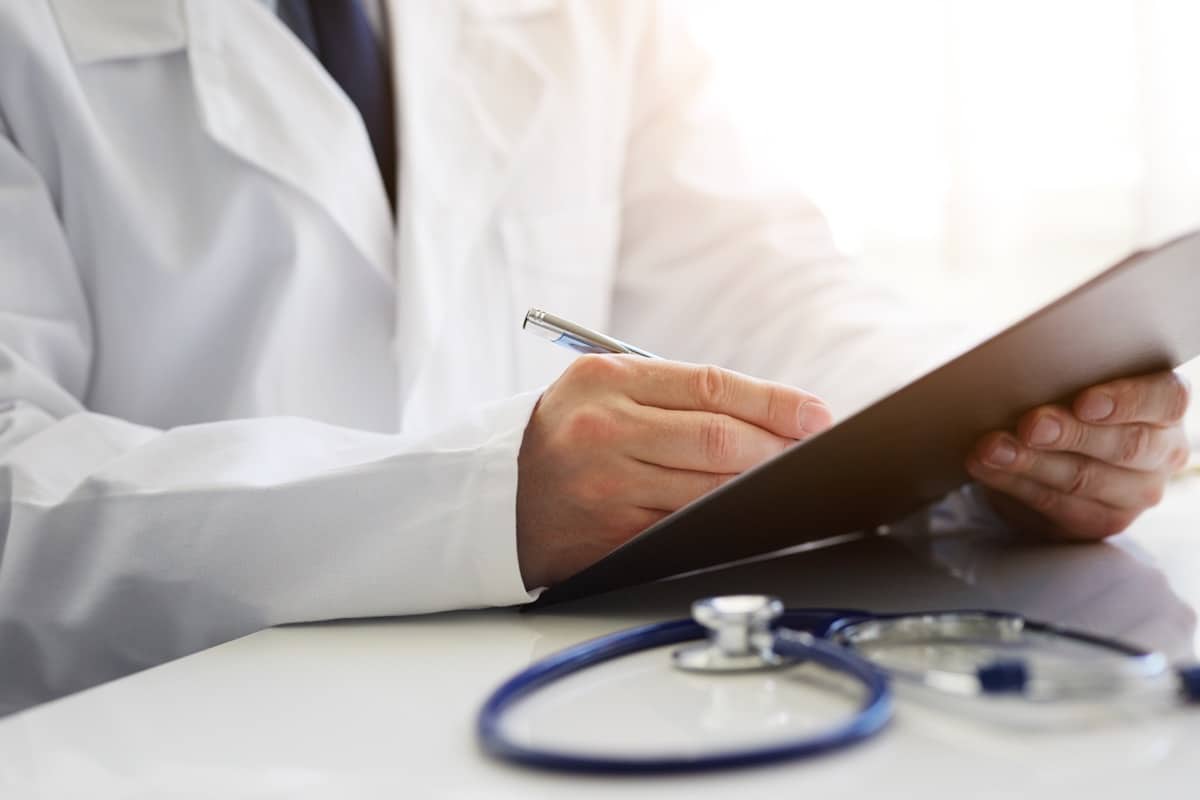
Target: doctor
column 261, row 272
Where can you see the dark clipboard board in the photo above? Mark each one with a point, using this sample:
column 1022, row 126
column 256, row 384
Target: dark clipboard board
column 907, row 450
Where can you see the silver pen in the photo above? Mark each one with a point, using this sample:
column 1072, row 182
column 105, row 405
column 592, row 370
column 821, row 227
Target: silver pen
column 575, row 337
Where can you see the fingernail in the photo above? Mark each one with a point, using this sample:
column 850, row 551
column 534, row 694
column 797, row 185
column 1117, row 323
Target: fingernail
column 1002, row 454
column 1046, row 431
column 1096, row 407
column 815, row 417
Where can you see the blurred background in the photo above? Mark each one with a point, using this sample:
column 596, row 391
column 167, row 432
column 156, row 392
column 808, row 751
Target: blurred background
column 985, row 154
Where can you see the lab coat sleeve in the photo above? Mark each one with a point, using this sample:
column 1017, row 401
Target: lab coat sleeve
column 122, row 546
column 722, row 263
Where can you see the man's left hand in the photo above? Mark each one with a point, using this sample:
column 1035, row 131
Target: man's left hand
column 1088, row 471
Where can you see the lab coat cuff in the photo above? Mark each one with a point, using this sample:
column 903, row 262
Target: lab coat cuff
column 496, row 560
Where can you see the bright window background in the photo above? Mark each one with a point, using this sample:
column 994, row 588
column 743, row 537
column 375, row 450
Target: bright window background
column 987, row 154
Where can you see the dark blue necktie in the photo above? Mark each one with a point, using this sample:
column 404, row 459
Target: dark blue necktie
column 339, row 33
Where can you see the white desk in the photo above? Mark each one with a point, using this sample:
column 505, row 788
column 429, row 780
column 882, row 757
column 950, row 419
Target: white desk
column 385, row 708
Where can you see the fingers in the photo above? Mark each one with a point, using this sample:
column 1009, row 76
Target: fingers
column 782, row 410
column 618, row 442
column 1091, row 469
column 660, row 489
column 1071, row 515
column 699, row 440
column 1159, row 399
column 1070, row 474
column 1135, row 445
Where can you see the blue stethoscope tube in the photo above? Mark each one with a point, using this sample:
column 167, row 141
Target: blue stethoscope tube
column 872, row 715
column 823, row 636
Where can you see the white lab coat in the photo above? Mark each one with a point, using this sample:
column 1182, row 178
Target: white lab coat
column 235, row 393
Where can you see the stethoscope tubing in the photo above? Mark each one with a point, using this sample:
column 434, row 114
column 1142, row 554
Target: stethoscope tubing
column 813, row 635
column 872, row 715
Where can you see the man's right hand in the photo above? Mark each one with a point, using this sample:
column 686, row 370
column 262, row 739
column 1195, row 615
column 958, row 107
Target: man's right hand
column 618, row 442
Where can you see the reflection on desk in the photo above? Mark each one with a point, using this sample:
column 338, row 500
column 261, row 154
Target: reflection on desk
column 1110, row 588
column 385, row 708
column 1101, row 588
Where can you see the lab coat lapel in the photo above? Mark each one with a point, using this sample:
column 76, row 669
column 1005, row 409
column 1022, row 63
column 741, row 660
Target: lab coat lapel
column 473, row 90
column 264, row 97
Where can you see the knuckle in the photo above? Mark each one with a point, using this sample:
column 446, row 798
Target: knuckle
column 719, row 441
column 590, row 426
column 779, row 409
column 1135, row 445
column 1075, row 436
column 710, row 386
column 591, row 368
column 1178, row 458
column 1083, row 478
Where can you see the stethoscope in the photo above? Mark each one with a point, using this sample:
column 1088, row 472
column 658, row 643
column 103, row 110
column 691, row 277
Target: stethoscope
column 753, row 632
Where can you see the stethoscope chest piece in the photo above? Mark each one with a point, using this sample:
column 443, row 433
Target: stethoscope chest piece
column 740, row 638
column 735, row 633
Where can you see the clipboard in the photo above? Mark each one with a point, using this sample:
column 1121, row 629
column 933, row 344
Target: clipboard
column 908, row 449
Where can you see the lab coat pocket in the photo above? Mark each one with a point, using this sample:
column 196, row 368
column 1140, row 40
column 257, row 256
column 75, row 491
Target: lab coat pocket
column 561, row 261
column 97, row 31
